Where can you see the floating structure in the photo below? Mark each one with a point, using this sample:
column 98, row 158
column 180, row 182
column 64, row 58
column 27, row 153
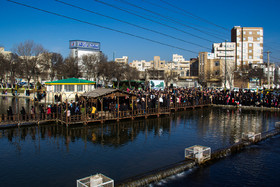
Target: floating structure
column 251, row 137
column 95, row 181
column 161, row 173
column 277, row 125
column 198, row 153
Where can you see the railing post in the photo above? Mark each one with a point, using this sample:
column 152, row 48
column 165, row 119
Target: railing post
column 66, row 113
column 118, row 112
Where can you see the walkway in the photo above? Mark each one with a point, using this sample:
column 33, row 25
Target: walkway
column 100, row 117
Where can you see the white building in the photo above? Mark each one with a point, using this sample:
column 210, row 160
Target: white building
column 249, row 45
column 224, row 50
column 141, row 65
column 78, row 48
column 123, row 60
column 177, row 58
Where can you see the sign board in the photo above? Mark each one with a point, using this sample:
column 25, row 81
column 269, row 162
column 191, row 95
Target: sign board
column 157, row 84
column 210, row 56
column 75, row 44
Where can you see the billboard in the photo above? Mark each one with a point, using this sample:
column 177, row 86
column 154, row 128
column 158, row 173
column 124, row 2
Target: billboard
column 157, row 84
column 79, row 44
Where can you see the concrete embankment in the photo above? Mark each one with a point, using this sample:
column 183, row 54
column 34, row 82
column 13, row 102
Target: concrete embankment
column 161, row 173
column 247, row 107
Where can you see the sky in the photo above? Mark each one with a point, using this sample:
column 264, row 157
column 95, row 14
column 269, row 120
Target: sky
column 146, row 28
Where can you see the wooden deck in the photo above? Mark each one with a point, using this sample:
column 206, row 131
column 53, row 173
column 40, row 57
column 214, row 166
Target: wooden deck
column 100, row 117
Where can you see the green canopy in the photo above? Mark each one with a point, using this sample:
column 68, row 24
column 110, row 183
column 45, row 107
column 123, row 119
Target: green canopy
column 71, row 81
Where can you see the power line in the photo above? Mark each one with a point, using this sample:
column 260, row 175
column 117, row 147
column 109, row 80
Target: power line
column 169, row 18
column 89, row 23
column 129, row 12
column 194, row 16
column 158, row 5
column 144, row 28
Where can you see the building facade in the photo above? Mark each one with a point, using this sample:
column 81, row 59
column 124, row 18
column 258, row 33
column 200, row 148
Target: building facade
column 249, row 45
column 123, row 60
column 79, row 48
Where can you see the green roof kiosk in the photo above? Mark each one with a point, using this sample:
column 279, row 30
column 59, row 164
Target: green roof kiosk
column 69, row 88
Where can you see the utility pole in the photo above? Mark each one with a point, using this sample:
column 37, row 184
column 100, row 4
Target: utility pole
column 114, row 56
column 268, row 70
column 225, row 64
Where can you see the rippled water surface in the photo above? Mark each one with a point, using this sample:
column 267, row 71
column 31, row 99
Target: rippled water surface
column 53, row 155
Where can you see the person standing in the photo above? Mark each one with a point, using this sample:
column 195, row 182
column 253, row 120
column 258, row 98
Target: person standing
column 10, row 113
column 23, row 113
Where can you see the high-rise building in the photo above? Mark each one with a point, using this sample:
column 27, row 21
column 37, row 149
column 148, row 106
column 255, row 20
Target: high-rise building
column 249, row 45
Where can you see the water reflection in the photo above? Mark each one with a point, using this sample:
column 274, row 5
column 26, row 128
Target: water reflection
column 223, row 125
column 15, row 103
column 119, row 150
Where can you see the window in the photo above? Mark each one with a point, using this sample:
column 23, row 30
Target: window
column 217, row 63
column 244, row 38
column 250, row 39
column 80, row 88
column 258, row 39
column 250, row 45
column 217, row 72
column 69, row 88
column 250, row 32
column 250, row 57
column 182, row 73
column 57, row 88
column 188, row 73
column 250, row 51
column 258, row 33
column 244, row 32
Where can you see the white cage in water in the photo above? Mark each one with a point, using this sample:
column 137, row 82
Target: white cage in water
column 277, row 125
column 96, row 180
column 252, row 137
column 198, row 153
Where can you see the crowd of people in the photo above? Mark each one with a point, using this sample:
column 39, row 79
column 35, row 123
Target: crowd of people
column 149, row 99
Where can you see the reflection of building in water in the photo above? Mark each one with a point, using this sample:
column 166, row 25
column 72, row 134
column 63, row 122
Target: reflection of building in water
column 116, row 134
column 228, row 124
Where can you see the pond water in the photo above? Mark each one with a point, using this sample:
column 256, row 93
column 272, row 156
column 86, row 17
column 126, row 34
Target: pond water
column 53, row 155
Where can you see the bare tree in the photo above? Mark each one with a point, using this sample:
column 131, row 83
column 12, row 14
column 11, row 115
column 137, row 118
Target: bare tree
column 170, row 76
column 50, row 63
column 131, row 74
column 119, row 72
column 70, row 68
column 90, row 64
column 29, row 53
column 12, row 67
column 3, row 65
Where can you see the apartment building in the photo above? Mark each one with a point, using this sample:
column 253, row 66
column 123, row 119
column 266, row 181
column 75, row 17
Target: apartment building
column 224, row 50
column 140, row 65
column 180, row 65
column 249, row 45
column 211, row 70
column 5, row 53
column 123, row 60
